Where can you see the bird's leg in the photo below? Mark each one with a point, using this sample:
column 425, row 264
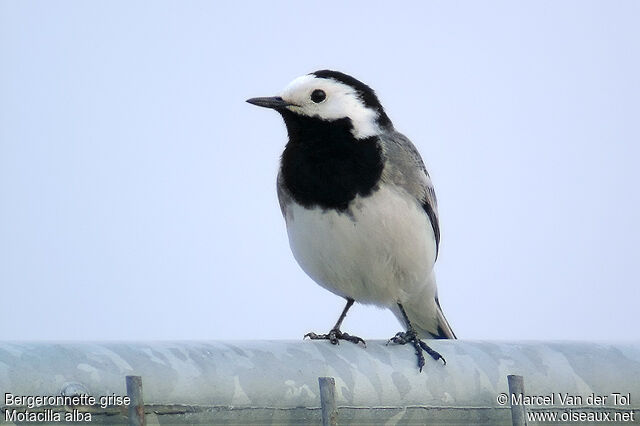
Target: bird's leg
column 335, row 334
column 410, row 336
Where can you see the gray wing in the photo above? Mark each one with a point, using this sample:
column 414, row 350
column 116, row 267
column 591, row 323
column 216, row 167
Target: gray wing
column 406, row 169
column 284, row 199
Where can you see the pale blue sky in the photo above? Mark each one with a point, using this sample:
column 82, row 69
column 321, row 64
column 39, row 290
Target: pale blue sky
column 137, row 188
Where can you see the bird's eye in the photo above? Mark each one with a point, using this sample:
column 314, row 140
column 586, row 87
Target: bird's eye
column 318, row 96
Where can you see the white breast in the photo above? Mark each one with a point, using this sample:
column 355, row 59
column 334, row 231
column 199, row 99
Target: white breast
column 381, row 251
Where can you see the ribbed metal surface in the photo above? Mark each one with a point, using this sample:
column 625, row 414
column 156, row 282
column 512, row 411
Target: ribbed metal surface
column 276, row 382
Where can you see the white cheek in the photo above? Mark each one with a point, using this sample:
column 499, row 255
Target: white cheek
column 341, row 102
column 332, row 110
column 364, row 120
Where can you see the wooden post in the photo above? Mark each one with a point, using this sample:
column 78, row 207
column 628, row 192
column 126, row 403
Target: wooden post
column 136, row 407
column 328, row 401
column 516, row 387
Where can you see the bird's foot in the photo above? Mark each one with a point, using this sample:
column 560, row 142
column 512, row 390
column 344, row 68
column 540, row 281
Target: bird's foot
column 410, row 336
column 334, row 336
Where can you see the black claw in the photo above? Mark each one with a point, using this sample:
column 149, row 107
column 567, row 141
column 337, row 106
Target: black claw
column 400, row 338
column 353, row 339
column 434, row 354
column 419, row 354
column 410, row 336
column 334, row 336
column 313, row 336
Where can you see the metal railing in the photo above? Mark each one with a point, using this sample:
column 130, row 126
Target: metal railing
column 304, row 382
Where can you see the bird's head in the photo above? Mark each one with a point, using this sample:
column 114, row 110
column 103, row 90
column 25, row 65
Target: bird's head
column 330, row 96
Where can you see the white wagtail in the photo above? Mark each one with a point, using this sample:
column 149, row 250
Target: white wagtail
column 359, row 205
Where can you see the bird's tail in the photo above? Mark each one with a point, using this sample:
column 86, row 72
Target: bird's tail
column 440, row 329
column 424, row 322
column 443, row 329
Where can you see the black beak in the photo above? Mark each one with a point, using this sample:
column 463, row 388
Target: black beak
column 275, row 102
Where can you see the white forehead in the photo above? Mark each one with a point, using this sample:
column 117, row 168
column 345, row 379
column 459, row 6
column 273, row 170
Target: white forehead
column 305, row 84
column 342, row 101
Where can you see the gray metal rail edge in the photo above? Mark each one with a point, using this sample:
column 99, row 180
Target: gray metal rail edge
column 277, row 382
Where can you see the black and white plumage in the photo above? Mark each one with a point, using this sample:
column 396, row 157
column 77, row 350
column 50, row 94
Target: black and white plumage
column 359, row 205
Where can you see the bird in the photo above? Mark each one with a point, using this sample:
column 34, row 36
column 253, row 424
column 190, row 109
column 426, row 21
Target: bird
column 359, row 206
